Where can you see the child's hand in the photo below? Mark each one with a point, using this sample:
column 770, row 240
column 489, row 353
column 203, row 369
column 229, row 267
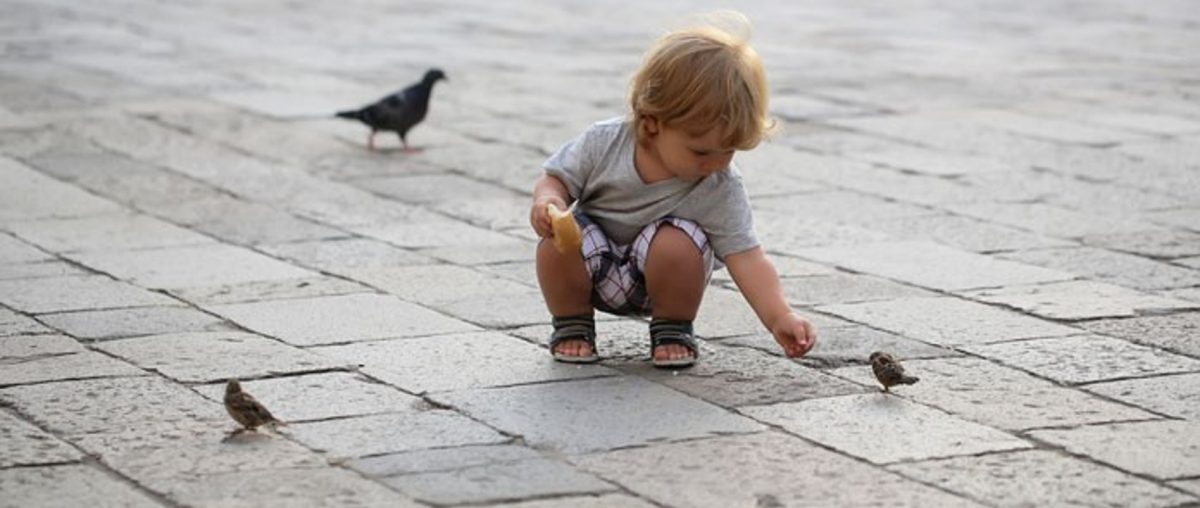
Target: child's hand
column 539, row 217
column 795, row 334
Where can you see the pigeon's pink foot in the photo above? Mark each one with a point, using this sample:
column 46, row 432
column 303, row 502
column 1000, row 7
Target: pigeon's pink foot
column 413, row 150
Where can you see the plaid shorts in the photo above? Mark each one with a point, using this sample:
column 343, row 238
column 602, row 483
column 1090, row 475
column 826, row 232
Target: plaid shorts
column 618, row 283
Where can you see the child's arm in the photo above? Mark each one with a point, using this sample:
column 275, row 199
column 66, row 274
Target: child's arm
column 756, row 277
column 548, row 190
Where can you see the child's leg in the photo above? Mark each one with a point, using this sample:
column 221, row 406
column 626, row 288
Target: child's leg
column 675, row 279
column 567, row 289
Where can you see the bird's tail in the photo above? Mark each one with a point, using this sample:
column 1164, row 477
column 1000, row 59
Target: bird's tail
column 350, row 114
column 909, row 380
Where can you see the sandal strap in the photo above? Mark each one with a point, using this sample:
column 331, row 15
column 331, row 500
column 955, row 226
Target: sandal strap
column 666, row 331
column 574, row 327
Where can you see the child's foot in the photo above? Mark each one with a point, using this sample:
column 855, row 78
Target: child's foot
column 575, row 348
column 574, row 339
column 672, row 352
column 672, row 343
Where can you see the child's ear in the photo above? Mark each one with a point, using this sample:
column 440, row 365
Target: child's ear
column 651, row 125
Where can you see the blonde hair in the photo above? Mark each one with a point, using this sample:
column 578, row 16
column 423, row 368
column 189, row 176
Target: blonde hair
column 705, row 77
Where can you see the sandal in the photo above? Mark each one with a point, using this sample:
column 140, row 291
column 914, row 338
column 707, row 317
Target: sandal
column 663, row 332
column 574, row 328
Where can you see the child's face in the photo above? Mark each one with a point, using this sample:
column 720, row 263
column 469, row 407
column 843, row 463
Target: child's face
column 691, row 157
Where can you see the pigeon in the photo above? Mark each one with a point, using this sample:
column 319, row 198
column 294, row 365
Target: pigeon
column 245, row 409
column 889, row 372
column 397, row 112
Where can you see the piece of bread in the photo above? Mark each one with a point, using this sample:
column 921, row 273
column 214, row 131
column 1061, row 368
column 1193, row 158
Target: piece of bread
column 567, row 236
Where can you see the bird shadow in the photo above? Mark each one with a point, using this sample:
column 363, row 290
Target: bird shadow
column 247, row 437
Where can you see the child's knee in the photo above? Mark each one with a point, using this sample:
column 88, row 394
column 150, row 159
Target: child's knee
column 674, row 243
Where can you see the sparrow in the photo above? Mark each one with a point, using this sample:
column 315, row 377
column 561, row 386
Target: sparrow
column 399, row 111
column 889, row 372
column 244, row 409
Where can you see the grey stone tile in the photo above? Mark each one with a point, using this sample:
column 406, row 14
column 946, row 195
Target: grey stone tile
column 62, row 294
column 12, row 323
column 40, row 270
column 362, row 436
column 457, row 362
column 299, row 488
column 1183, row 218
column 69, row 485
column 440, row 459
column 103, row 407
column 1193, row 262
column 1112, row 267
column 326, row 395
column 845, row 288
column 964, row 233
column 763, row 469
column 1040, row 478
column 1177, row 396
column 1074, row 300
column 1153, row 243
column 79, row 365
column 786, row 233
column 340, row 319
column 1175, row 332
column 840, row 206
column 342, row 256
column 486, row 254
column 435, row 234
column 109, row 324
column 883, row 428
column 105, row 233
column 38, row 346
column 948, row 321
column 1055, row 221
column 433, row 189
column 1053, row 129
column 437, row 284
column 1085, row 358
column 1162, row 449
column 500, row 310
column 262, row 225
column 603, row 501
column 913, row 262
column 499, row 482
column 998, row 396
column 26, row 445
column 180, row 267
column 524, row 272
column 844, row 345
column 731, row 376
column 13, row 250
column 189, row 357
column 27, row 195
column 280, row 289
column 125, row 180
column 550, row 415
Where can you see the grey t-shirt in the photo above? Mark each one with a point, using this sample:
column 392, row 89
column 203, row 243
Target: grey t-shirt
column 597, row 168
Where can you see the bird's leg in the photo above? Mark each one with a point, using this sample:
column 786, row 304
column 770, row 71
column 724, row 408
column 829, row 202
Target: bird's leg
column 371, row 141
column 408, row 149
column 886, row 390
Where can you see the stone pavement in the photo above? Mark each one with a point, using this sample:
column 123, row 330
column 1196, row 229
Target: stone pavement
column 1005, row 194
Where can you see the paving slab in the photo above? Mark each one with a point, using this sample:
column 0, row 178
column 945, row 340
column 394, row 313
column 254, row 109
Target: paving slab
column 40, row 270
column 182, row 267
column 846, row 345
column 363, row 436
column 619, row 411
column 1040, row 478
column 55, row 367
column 440, row 459
column 762, row 469
column 966, row 233
column 1054, row 221
column 845, row 288
column 63, row 294
column 948, row 321
column 1154, row 243
column 189, row 357
column 68, row 485
column 344, row 255
column 910, row 261
column 603, row 501
column 1117, row 268
column 882, row 428
column 105, row 233
column 27, row 445
column 13, row 251
column 117, row 323
column 733, row 376
column 340, row 319
column 1162, row 449
column 12, row 323
column 1173, row 395
column 998, row 396
column 325, row 395
column 26, row 194
column 307, row 487
column 38, row 346
column 1192, row 486
column 1085, row 358
column 1176, row 332
column 457, row 362
column 1076, row 300
column 499, row 482
column 281, row 289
